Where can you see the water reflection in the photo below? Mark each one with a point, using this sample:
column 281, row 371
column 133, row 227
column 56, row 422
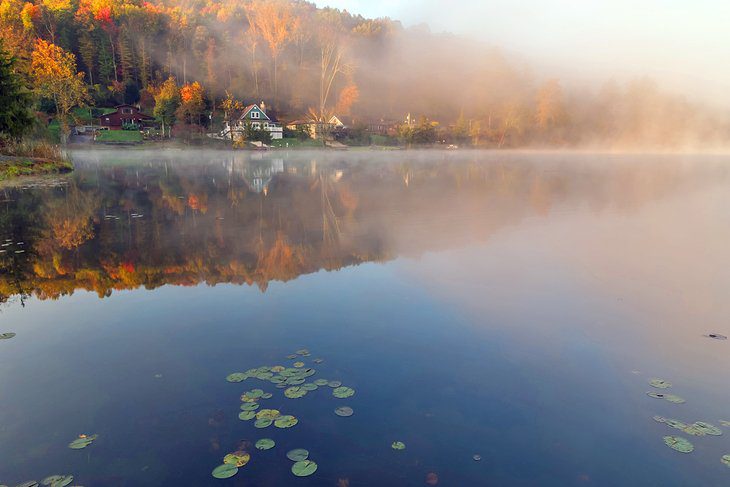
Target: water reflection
column 185, row 218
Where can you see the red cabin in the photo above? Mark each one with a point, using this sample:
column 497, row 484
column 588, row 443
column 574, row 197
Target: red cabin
column 125, row 115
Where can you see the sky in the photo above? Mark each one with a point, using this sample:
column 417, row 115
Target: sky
column 685, row 45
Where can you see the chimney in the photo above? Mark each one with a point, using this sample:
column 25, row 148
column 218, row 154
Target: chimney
column 263, row 107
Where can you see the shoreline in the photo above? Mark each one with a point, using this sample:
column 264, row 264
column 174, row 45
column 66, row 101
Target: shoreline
column 13, row 167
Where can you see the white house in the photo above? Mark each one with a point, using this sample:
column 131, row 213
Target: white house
column 259, row 120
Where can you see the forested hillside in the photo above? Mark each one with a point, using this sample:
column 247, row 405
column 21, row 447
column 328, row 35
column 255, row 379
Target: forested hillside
column 306, row 61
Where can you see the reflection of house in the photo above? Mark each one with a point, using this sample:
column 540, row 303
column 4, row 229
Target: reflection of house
column 382, row 127
column 255, row 116
column 258, row 176
column 125, row 115
column 315, row 129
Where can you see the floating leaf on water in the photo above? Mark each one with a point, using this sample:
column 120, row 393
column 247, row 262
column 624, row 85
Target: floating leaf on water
column 660, row 384
column 237, row 459
column 50, row 479
column 82, row 442
column 286, row 421
column 268, row 414
column 298, row 365
column 291, row 357
column 679, row 444
column 725, row 423
column 307, row 372
column 343, row 392
column 309, row 386
column 63, row 481
column 255, row 393
column 277, row 368
column 295, row 392
column 318, row 361
column 267, row 395
column 295, row 381
column 236, row 377
column 305, row 468
column 29, row 483
column 277, row 379
column 398, row 445
column 660, row 419
column 717, row 336
column 263, row 423
column 265, row 444
column 655, row 395
column 334, row 384
column 281, row 386
column 246, row 415
column 726, row 460
column 6, row 336
column 321, row 382
column 707, row 428
column 290, row 372
column 303, row 351
column 250, row 406
column 477, row 458
column 264, row 375
column 674, row 399
column 224, row 471
column 297, row 455
column 344, row 411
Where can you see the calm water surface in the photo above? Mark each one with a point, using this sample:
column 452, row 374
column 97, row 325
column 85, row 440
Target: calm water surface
column 512, row 306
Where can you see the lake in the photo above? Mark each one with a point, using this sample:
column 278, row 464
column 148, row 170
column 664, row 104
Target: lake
column 500, row 314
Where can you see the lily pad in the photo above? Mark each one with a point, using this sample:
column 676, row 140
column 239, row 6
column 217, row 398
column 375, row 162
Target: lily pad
column 224, row 471
column 82, row 442
column 63, row 481
column 286, row 421
column 297, row 455
column 238, row 459
column 295, row 392
column 725, row 423
column 298, row 365
column 318, row 361
column 305, row 468
column 268, row 414
column 302, row 352
column 343, row 392
column 726, row 460
column 263, row 423
column 676, row 424
column 659, row 419
column 277, row 368
column 277, row 379
column 334, row 384
column 246, row 415
column 398, row 445
column 707, row 428
column 717, row 336
column 267, row 395
column 344, row 411
column 291, row 357
column 255, row 393
column 679, row 444
column 29, row 483
column 309, row 372
column 250, row 406
column 50, row 479
column 236, row 377
column 264, row 375
column 309, row 386
column 321, row 382
column 265, row 444
column 674, row 399
column 295, row 381
column 660, row 384
column 6, row 336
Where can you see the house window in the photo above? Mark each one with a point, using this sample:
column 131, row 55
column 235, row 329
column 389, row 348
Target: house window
column 254, row 114
column 126, row 110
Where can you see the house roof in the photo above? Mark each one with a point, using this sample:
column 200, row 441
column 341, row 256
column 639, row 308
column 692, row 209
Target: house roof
column 251, row 107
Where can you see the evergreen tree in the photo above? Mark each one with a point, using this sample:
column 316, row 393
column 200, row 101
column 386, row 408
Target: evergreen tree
column 15, row 101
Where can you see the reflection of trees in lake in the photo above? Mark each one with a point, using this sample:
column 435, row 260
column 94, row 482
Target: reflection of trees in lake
column 251, row 222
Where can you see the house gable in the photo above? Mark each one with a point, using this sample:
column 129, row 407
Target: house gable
column 253, row 113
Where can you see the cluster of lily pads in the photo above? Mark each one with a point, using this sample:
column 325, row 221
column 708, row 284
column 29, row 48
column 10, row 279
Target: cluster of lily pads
column 82, row 442
column 50, row 481
column 698, row 428
column 294, row 382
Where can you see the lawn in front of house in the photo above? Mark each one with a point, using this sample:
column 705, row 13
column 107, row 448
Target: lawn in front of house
column 119, row 136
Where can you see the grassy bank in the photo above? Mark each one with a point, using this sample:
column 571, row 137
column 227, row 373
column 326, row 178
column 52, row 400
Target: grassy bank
column 13, row 166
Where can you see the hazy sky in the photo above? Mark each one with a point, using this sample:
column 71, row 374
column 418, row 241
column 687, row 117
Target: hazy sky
column 684, row 44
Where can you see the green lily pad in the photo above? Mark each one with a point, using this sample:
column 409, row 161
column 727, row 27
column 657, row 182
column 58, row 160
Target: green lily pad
column 237, row 459
column 246, row 415
column 318, row 361
column 298, row 365
column 295, row 381
column 50, row 479
column 277, row 368
column 726, row 460
column 63, row 481
column 295, row 392
column 305, row 468
column 82, row 442
column 321, row 382
column 290, row 372
column 291, row 357
column 344, row 411
column 674, row 399
column 708, row 428
column 263, row 423
column 268, row 414
column 265, row 375
column 255, row 393
column 250, row 406
column 343, row 392
column 297, row 455
column 265, row 444
column 309, row 386
column 277, row 379
column 725, row 423
column 224, row 471
column 679, row 444
column 693, row 430
column 267, row 395
column 6, row 336
column 334, row 384
column 29, row 483
column 303, row 351
column 660, row 384
column 286, row 421
column 237, row 377
column 660, row 419
column 398, row 445
column 309, row 372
